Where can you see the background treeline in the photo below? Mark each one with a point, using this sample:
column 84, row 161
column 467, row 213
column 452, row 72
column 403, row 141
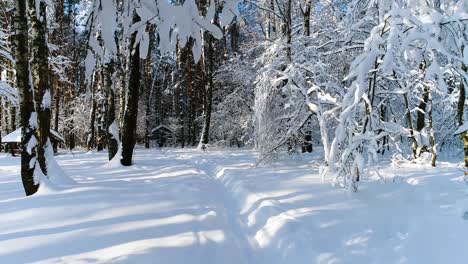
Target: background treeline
column 354, row 78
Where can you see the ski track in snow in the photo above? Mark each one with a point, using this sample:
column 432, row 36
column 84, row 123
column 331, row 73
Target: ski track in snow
column 187, row 206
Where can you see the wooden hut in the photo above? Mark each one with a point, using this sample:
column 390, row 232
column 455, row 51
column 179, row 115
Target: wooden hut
column 161, row 136
column 13, row 140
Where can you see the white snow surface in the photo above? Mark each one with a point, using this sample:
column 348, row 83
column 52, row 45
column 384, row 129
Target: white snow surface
column 461, row 129
column 187, row 206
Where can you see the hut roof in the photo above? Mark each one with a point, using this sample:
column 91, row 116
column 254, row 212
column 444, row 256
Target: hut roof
column 161, row 127
column 15, row 136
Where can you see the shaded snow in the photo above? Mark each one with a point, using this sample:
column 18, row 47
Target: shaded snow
column 461, row 129
column 185, row 206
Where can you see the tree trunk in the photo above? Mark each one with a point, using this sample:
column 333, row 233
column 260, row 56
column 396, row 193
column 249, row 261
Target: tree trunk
column 74, row 85
column 203, row 92
column 181, row 87
column 268, row 25
column 131, row 104
column 110, row 122
column 288, row 29
column 57, row 113
column 123, row 87
column 60, row 17
column 460, row 112
column 90, row 141
column 1, row 115
column 40, row 74
column 410, row 125
column 208, row 94
column 12, row 118
column 432, row 136
column 192, row 113
column 101, row 117
column 25, row 96
column 307, row 12
column 234, row 32
column 148, row 84
column 421, row 116
column 12, row 125
column 307, row 145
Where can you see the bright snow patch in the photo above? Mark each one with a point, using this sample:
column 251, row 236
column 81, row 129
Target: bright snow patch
column 185, row 206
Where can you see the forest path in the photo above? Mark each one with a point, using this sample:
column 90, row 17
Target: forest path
column 163, row 209
column 187, row 206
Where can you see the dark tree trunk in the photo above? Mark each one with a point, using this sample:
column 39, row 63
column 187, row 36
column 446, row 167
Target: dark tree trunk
column 421, row 122
column 57, row 113
column 181, row 87
column 122, row 79
column 432, row 137
column 1, row 126
column 209, row 93
column 131, row 106
column 90, row 141
column 25, row 94
column 74, row 86
column 12, row 118
column 70, row 124
column 288, row 29
column 307, row 147
column 6, row 122
column 12, row 125
column 100, row 135
column 191, row 94
column 234, row 32
column 60, row 17
column 307, row 12
column 40, row 74
column 461, row 111
column 101, row 103
column 149, row 86
column 110, row 123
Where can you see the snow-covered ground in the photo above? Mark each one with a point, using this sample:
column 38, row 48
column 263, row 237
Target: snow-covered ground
column 185, row 206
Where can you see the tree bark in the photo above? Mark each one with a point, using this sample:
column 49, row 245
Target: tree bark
column 288, row 29
column 191, row 94
column 149, row 85
column 181, row 87
column 90, row 141
column 131, row 104
column 101, row 117
column 74, row 86
column 410, row 125
column 1, row 115
column 40, row 73
column 460, row 113
column 60, row 17
column 122, row 78
column 307, row 12
column 208, row 94
column 57, row 113
column 110, row 123
column 432, row 136
column 421, row 116
column 234, row 32
column 25, row 95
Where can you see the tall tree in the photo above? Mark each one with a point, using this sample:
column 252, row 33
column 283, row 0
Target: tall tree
column 28, row 129
column 111, row 125
column 132, row 95
column 461, row 113
column 40, row 75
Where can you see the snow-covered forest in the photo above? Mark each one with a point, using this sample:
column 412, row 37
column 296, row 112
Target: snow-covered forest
column 234, row 131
